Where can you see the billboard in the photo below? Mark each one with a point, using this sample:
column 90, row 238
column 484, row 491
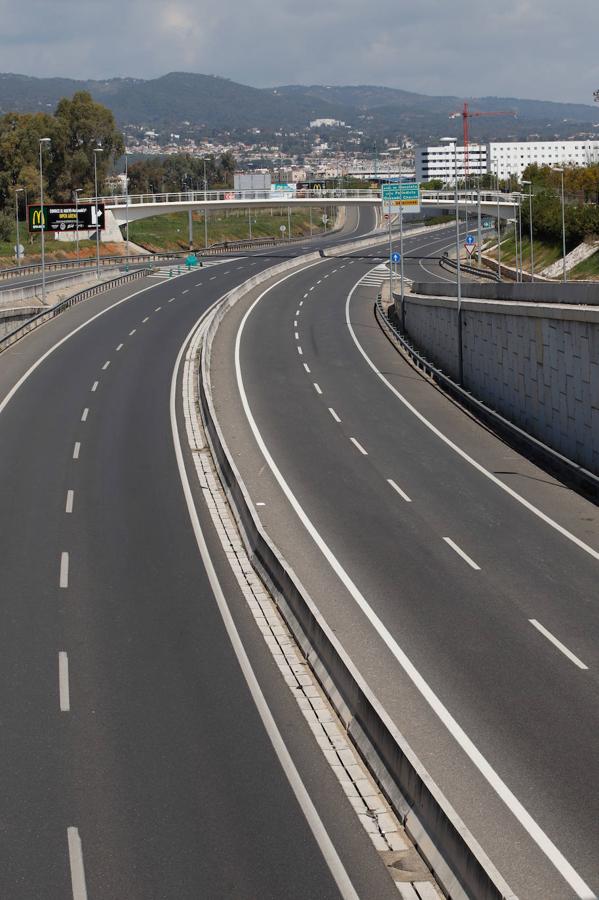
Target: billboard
column 64, row 218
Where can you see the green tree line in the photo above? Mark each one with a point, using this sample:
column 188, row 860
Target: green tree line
column 181, row 172
column 581, row 193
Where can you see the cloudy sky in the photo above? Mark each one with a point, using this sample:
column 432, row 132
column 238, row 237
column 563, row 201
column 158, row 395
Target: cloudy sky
column 545, row 49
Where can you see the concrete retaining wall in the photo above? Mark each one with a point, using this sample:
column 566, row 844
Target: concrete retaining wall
column 12, row 318
column 536, row 364
column 580, row 293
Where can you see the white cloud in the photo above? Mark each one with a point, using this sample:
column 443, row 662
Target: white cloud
column 467, row 48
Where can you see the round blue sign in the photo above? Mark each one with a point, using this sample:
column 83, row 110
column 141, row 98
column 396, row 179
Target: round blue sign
column 470, row 239
column 395, row 257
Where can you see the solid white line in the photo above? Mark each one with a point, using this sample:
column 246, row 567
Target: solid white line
column 558, row 644
column 95, row 386
column 399, row 490
column 76, row 450
column 64, row 570
column 307, row 368
column 300, row 351
column 76, row 862
column 461, row 553
column 69, row 504
column 581, row 889
column 106, row 364
column 85, row 414
column 310, row 812
column 359, row 446
column 334, row 414
column 120, row 347
column 317, row 388
column 132, row 332
column 63, row 682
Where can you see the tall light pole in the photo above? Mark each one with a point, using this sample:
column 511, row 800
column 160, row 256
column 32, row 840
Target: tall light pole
column 532, row 253
column 498, row 225
column 43, row 220
column 205, row 209
column 96, row 151
column 453, row 142
column 76, row 193
column 18, row 250
column 401, row 274
column 126, row 203
column 561, row 171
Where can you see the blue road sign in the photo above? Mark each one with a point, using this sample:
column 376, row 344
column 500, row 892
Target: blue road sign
column 470, row 239
column 395, row 257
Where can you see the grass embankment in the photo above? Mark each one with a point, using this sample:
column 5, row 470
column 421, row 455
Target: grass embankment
column 55, row 250
column 546, row 253
column 171, row 232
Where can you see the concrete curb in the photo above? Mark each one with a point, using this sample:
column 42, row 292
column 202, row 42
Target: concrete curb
column 459, row 863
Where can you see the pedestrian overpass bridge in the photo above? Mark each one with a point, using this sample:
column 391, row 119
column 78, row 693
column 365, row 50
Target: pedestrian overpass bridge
column 121, row 209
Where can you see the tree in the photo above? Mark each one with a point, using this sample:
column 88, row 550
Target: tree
column 81, row 125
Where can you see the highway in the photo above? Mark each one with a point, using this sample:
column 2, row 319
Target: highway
column 460, row 578
column 136, row 763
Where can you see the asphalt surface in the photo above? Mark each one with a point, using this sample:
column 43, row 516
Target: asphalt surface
column 462, row 611
column 158, row 756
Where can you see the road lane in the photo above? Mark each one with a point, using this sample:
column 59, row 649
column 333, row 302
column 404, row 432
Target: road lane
column 161, row 781
column 523, row 566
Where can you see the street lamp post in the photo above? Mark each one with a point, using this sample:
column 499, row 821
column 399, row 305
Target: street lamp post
column 498, row 226
column 532, row 254
column 96, row 151
column 43, row 220
column 453, row 142
column 561, row 171
column 76, row 192
column 18, row 250
column 205, row 209
column 126, row 204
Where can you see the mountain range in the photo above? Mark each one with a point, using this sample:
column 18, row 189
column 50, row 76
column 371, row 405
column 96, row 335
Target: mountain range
column 208, row 104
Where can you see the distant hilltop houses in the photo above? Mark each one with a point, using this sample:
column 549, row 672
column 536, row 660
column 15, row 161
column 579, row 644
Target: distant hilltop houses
column 327, row 123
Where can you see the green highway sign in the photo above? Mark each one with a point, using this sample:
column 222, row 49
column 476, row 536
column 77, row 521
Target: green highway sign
column 406, row 192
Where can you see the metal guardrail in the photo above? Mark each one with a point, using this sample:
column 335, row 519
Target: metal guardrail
column 563, row 467
column 143, row 259
column 47, row 314
column 121, row 201
column 446, row 262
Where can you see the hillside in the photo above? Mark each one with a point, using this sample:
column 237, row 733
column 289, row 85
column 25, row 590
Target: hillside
column 215, row 104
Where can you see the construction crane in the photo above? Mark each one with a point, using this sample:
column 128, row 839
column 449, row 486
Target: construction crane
column 467, row 114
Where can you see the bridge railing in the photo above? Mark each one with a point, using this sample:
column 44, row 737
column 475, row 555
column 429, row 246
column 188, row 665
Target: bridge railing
column 281, row 196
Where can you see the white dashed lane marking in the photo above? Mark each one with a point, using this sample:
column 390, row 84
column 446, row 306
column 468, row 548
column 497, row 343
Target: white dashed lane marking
column 317, row 388
column 63, row 682
column 106, row 364
column 334, row 414
column 132, row 332
column 76, row 450
column 69, row 504
column 63, row 579
column 399, row 490
column 85, row 414
column 359, row 446
column 300, row 351
column 120, row 347
column 461, row 553
column 95, row 386
column 307, row 368
column 558, row 644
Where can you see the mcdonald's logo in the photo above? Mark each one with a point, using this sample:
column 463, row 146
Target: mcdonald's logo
column 38, row 219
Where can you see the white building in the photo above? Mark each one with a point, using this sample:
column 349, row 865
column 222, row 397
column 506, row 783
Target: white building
column 511, row 158
column 326, row 123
